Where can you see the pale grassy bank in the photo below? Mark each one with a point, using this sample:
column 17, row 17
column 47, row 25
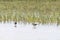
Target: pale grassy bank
column 41, row 11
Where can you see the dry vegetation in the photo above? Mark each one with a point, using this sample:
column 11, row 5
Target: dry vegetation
column 42, row 11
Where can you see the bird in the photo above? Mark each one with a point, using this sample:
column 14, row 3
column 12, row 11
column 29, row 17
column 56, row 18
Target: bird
column 15, row 24
column 34, row 24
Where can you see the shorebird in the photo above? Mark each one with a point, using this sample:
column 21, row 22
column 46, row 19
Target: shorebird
column 34, row 25
column 15, row 24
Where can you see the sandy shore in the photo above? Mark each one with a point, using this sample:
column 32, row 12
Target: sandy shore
column 27, row 32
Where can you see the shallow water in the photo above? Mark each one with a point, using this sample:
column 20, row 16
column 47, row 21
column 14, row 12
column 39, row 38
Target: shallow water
column 27, row 32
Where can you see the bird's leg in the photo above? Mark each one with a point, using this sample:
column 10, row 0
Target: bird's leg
column 15, row 25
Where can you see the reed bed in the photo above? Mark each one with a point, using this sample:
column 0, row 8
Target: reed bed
column 40, row 11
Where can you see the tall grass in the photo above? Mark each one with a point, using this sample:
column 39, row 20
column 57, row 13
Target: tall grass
column 47, row 11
